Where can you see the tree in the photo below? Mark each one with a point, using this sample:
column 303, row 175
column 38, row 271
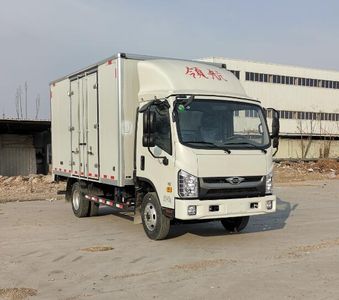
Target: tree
column 305, row 143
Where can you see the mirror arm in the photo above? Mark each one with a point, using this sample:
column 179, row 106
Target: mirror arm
column 164, row 158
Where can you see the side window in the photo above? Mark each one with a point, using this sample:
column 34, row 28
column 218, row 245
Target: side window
column 162, row 135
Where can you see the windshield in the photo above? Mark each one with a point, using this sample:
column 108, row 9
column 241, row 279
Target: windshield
column 221, row 124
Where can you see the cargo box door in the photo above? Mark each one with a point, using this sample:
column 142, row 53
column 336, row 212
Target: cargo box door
column 84, row 126
column 92, row 127
column 75, row 127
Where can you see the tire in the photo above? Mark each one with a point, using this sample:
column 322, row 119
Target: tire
column 155, row 224
column 93, row 209
column 69, row 185
column 80, row 205
column 236, row 224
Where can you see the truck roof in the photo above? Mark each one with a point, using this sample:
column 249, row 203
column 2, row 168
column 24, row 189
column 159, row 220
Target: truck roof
column 161, row 77
column 115, row 56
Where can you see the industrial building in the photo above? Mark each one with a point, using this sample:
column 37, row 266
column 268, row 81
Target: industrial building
column 24, row 147
column 307, row 100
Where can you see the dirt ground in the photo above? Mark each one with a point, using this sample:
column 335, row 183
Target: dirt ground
column 39, row 187
column 26, row 188
column 48, row 253
column 288, row 172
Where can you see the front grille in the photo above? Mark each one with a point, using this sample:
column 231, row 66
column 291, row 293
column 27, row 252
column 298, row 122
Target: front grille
column 220, row 188
column 224, row 179
column 232, row 193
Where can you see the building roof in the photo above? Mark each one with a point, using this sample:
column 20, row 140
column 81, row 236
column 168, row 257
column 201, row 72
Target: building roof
column 15, row 126
column 217, row 59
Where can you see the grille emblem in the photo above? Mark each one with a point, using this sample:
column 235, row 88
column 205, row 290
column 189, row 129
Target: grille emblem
column 235, row 180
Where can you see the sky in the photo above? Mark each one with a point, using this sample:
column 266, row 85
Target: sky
column 41, row 40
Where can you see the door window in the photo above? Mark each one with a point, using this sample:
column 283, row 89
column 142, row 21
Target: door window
column 162, row 134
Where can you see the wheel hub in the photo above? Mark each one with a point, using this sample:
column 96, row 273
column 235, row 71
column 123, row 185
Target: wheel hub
column 76, row 200
column 150, row 216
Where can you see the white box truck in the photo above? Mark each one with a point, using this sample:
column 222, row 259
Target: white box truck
column 170, row 140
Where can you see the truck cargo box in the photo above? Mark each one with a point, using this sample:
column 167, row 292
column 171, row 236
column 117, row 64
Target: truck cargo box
column 95, row 139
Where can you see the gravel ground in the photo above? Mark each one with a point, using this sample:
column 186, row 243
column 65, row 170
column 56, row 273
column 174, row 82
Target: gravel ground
column 47, row 253
column 39, row 187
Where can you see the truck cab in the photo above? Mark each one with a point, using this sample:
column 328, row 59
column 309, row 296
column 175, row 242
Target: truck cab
column 203, row 145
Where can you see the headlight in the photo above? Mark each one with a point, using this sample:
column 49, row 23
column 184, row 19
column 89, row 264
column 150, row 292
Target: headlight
column 269, row 183
column 188, row 185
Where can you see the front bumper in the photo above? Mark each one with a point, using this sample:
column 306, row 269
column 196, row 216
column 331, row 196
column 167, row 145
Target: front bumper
column 227, row 208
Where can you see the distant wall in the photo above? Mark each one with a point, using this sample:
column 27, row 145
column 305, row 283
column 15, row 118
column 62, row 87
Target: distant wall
column 17, row 155
column 292, row 148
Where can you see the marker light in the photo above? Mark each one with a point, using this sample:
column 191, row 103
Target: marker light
column 269, row 204
column 192, row 210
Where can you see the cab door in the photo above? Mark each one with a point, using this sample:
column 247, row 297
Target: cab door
column 156, row 164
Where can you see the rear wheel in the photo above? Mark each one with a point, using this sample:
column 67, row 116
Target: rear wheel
column 80, row 205
column 236, row 224
column 156, row 225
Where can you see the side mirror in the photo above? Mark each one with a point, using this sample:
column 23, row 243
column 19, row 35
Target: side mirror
column 148, row 140
column 149, row 121
column 275, row 142
column 265, row 112
column 275, row 128
column 148, row 128
column 271, row 112
column 275, row 124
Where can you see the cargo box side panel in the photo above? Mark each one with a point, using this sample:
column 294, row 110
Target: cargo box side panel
column 60, row 124
column 108, row 123
column 130, row 89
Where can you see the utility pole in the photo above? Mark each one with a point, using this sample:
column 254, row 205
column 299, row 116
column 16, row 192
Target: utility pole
column 20, row 101
column 37, row 106
column 26, row 88
column 17, row 103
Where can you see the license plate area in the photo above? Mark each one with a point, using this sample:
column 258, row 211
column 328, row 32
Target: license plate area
column 213, row 208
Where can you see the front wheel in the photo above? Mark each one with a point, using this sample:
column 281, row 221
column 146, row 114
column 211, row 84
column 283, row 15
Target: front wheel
column 156, row 225
column 236, row 224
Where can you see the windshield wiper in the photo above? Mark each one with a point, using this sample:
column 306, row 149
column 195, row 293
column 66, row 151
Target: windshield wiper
column 209, row 143
column 247, row 143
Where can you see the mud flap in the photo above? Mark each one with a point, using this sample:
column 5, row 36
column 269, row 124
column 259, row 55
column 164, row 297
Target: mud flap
column 137, row 216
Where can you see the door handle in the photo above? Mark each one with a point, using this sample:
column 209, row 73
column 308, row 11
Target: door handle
column 142, row 163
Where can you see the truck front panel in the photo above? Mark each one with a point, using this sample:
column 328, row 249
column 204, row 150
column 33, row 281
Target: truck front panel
column 186, row 209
